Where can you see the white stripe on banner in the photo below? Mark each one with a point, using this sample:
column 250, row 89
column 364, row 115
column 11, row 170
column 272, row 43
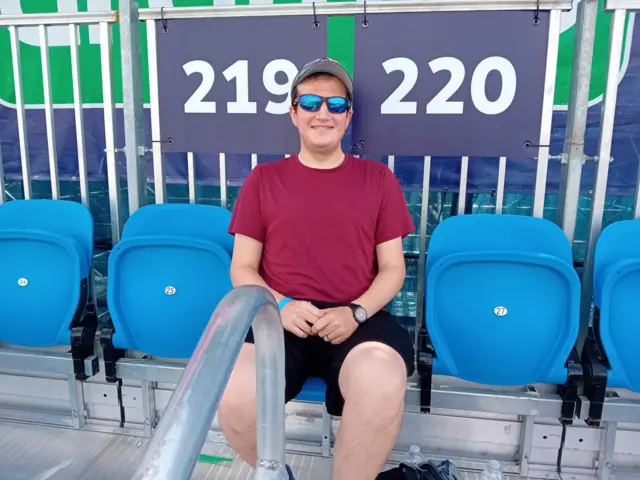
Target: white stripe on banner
column 97, row 6
column 160, row 3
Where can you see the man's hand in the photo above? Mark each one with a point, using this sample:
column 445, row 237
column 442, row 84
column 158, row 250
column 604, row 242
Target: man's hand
column 298, row 317
column 336, row 325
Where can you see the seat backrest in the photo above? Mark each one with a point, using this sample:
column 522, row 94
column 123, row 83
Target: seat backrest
column 60, row 217
column 515, row 233
column 502, row 299
column 617, row 242
column 166, row 277
column 616, row 283
column 45, row 261
column 204, row 222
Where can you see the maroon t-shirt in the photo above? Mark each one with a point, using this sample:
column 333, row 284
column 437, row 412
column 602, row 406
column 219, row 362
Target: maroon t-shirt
column 320, row 227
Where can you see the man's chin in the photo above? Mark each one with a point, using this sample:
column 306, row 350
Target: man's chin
column 327, row 149
column 324, row 144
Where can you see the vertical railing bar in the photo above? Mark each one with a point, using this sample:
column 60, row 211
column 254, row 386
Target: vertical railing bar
column 607, row 451
column 547, row 114
column 48, row 112
column 462, row 196
column 191, row 176
column 599, row 193
column 76, row 397
column 77, row 107
column 223, row 180
column 133, row 109
column 3, row 196
column 526, row 443
column 502, row 173
column 109, row 131
column 154, row 98
column 573, row 152
column 254, row 160
column 20, row 111
column 148, row 407
column 391, row 163
column 422, row 247
column 636, row 206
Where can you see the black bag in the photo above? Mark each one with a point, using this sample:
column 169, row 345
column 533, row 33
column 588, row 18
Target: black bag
column 426, row 471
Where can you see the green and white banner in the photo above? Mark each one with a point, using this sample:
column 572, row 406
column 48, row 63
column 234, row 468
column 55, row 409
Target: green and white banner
column 340, row 45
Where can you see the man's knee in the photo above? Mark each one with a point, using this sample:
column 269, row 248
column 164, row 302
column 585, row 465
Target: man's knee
column 238, row 403
column 374, row 373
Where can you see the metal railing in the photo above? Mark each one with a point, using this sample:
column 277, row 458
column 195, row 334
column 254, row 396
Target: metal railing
column 151, row 15
column 129, row 19
column 171, row 429
column 134, row 148
column 104, row 21
column 173, row 450
column 573, row 169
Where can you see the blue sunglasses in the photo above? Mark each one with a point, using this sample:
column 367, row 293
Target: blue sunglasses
column 312, row 103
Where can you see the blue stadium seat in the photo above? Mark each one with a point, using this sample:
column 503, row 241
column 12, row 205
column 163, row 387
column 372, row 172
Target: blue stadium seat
column 609, row 354
column 166, row 276
column 313, row 391
column 502, row 305
column 46, row 249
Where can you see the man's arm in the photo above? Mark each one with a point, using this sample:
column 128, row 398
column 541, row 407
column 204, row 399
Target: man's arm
column 297, row 317
column 390, row 278
column 338, row 324
column 245, row 263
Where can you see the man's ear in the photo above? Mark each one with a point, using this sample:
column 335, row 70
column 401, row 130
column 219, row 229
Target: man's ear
column 294, row 115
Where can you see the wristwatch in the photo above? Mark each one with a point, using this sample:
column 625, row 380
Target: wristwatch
column 359, row 313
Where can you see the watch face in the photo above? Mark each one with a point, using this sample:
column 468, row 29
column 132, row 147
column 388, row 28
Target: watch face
column 361, row 314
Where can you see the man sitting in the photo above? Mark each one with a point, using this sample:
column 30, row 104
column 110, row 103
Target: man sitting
column 323, row 230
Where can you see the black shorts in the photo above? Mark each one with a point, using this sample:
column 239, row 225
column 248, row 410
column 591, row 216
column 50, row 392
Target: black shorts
column 314, row 357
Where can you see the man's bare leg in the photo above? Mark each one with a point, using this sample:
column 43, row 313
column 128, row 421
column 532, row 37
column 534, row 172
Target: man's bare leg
column 237, row 409
column 373, row 382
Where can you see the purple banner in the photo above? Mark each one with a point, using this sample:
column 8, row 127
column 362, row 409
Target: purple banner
column 421, row 90
column 224, row 82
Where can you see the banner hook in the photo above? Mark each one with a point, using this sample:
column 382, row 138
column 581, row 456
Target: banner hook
column 316, row 23
column 165, row 25
column 365, row 22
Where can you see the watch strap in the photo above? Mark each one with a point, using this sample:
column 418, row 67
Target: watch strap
column 354, row 307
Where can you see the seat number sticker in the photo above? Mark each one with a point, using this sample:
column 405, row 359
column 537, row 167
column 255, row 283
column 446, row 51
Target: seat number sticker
column 500, row 311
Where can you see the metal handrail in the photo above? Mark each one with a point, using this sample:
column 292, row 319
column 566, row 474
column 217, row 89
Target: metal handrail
column 173, row 450
column 69, row 18
column 351, row 8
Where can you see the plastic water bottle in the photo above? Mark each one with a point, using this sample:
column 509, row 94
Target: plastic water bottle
column 492, row 471
column 414, row 457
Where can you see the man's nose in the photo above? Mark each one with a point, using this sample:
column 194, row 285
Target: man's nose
column 323, row 113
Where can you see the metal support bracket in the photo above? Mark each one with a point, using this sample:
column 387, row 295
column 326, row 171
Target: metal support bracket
column 564, row 158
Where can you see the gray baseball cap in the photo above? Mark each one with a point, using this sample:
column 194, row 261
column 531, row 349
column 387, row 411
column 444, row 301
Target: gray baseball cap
column 323, row 65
